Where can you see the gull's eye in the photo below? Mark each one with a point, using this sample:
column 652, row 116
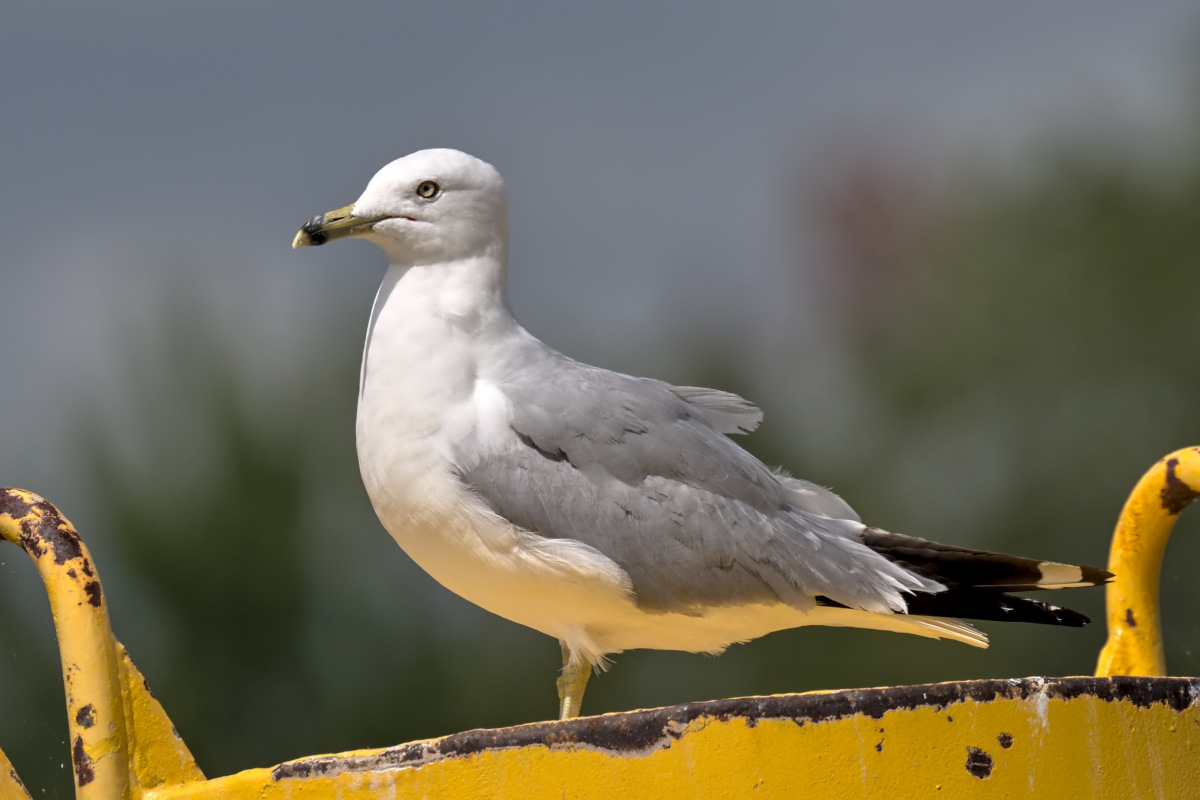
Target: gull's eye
column 427, row 189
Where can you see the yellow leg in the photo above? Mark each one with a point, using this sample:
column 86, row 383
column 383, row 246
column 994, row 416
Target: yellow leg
column 571, row 684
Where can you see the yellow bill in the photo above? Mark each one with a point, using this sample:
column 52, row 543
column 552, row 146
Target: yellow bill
column 331, row 225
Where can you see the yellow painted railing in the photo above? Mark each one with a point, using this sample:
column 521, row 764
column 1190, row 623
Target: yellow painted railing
column 1122, row 734
column 1134, row 645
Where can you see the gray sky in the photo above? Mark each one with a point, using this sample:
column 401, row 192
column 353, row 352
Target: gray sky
column 646, row 148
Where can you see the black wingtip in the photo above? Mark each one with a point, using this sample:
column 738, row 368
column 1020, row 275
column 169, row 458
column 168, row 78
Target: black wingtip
column 967, row 602
column 962, row 566
column 1095, row 576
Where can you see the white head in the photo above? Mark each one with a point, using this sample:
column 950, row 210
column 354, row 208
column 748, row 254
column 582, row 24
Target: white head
column 429, row 207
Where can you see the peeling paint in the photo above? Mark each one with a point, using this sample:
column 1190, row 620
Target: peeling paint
column 14, row 505
column 42, row 527
column 979, row 763
column 84, row 771
column 16, row 779
column 1175, row 494
column 641, row 733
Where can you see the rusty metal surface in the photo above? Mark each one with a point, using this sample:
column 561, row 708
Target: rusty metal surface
column 639, row 733
column 1077, row 737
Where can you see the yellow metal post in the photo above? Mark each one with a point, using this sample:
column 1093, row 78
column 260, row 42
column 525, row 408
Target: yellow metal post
column 1134, row 645
column 91, row 676
column 120, row 738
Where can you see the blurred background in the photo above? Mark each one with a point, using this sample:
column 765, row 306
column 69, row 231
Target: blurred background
column 952, row 249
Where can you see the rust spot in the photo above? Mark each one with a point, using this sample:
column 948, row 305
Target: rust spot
column 879, row 747
column 86, row 716
column 1141, row 692
column 1129, row 619
column 72, row 574
column 979, row 763
column 30, row 542
column 65, row 542
column 84, row 773
column 949, row 718
column 1175, row 494
column 12, row 774
column 92, row 588
column 640, row 733
column 43, row 528
column 12, row 504
column 1005, row 740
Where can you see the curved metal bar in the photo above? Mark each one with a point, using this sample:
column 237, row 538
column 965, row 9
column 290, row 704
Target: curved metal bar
column 1134, row 645
column 90, row 661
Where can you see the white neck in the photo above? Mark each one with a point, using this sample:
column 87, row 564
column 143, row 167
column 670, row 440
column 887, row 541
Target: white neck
column 429, row 329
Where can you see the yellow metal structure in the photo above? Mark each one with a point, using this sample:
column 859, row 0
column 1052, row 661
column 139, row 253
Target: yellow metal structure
column 1134, row 645
column 122, row 743
column 1111, row 736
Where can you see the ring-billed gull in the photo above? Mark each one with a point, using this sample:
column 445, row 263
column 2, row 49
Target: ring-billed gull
column 608, row 511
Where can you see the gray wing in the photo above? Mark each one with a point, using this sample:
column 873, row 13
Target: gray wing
column 726, row 412
column 640, row 471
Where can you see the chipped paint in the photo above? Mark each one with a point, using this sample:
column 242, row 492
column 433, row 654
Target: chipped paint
column 979, row 763
column 85, row 773
column 1175, row 493
column 11, row 787
column 790, row 745
column 642, row 733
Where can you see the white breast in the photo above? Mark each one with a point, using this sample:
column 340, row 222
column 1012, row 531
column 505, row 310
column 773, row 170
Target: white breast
column 412, row 406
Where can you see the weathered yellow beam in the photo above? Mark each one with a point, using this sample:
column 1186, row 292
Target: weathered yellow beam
column 1057, row 737
column 1134, row 645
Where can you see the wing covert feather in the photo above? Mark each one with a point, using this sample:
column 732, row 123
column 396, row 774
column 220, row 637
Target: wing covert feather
column 639, row 471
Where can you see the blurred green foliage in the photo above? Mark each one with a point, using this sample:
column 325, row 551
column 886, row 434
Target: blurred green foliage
column 1015, row 368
